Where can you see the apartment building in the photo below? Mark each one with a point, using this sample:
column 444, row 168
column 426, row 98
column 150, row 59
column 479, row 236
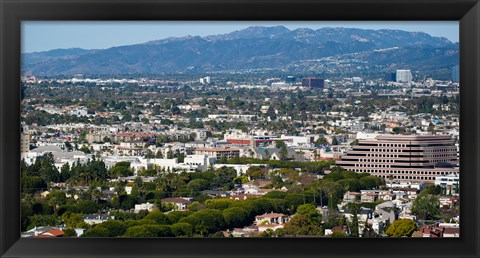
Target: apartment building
column 218, row 152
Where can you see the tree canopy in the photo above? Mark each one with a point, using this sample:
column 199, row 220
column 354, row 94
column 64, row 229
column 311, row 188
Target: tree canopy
column 426, row 205
column 401, row 228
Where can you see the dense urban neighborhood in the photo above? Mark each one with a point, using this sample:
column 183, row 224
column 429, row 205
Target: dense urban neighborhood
column 266, row 131
column 240, row 155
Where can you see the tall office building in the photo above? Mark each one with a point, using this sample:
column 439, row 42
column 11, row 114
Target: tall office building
column 390, row 77
column 419, row 158
column 313, row 82
column 455, row 73
column 404, row 76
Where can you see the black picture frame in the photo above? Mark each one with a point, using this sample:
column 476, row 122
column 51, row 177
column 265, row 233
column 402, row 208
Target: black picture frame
column 12, row 12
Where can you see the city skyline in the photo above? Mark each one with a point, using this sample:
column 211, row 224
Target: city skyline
column 40, row 36
column 264, row 132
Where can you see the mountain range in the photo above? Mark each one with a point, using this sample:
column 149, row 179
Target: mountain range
column 255, row 47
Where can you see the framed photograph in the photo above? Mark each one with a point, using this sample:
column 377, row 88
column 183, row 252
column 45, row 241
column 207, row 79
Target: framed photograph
column 208, row 128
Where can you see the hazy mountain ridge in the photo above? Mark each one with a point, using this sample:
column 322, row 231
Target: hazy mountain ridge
column 254, row 47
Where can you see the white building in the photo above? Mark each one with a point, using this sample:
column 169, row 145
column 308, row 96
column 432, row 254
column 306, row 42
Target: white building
column 144, row 206
column 191, row 163
column 165, row 164
column 404, row 76
column 96, row 219
column 449, row 183
column 80, row 111
column 205, row 80
column 240, row 169
column 276, row 85
column 200, row 161
column 298, row 140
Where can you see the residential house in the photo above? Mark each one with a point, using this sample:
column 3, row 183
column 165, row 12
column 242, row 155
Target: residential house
column 242, row 197
column 249, row 231
column 51, row 233
column 40, row 230
column 349, row 197
column 451, row 232
column 96, row 219
column 368, row 197
column 387, row 211
column 271, row 218
column 180, row 203
column 144, row 206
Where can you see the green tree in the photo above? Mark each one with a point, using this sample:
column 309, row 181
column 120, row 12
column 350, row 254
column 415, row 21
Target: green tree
column 159, row 154
column 158, row 216
column 425, row 206
column 85, row 149
column 69, row 232
column 355, row 209
column 38, row 220
column 32, row 184
column 65, row 172
column 121, row 169
column 283, row 151
column 321, row 141
column 369, row 182
column 339, row 234
column 219, row 203
column 223, row 160
column 402, row 227
column 149, row 154
column 55, row 199
column 73, row 220
column 47, row 169
column 182, row 229
column 224, row 178
column 96, row 232
column 255, row 172
column 82, row 138
column 239, row 180
column 149, row 231
column 86, row 207
column 235, row 217
column 434, row 189
column 175, row 216
column 334, row 141
column 307, row 221
column 197, row 185
column 211, row 219
column 115, row 228
column 169, row 153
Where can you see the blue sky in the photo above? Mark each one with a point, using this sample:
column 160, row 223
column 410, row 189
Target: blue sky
column 47, row 35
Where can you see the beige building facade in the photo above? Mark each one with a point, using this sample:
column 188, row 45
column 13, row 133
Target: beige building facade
column 419, row 158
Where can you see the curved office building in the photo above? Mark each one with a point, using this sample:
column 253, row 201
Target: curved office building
column 419, row 158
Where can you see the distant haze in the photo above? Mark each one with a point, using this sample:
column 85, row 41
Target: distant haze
column 47, row 35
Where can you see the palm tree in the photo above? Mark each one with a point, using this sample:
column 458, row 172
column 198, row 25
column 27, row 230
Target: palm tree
column 161, row 183
column 85, row 174
column 211, row 168
column 53, row 201
column 96, row 195
column 74, row 180
column 72, row 193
